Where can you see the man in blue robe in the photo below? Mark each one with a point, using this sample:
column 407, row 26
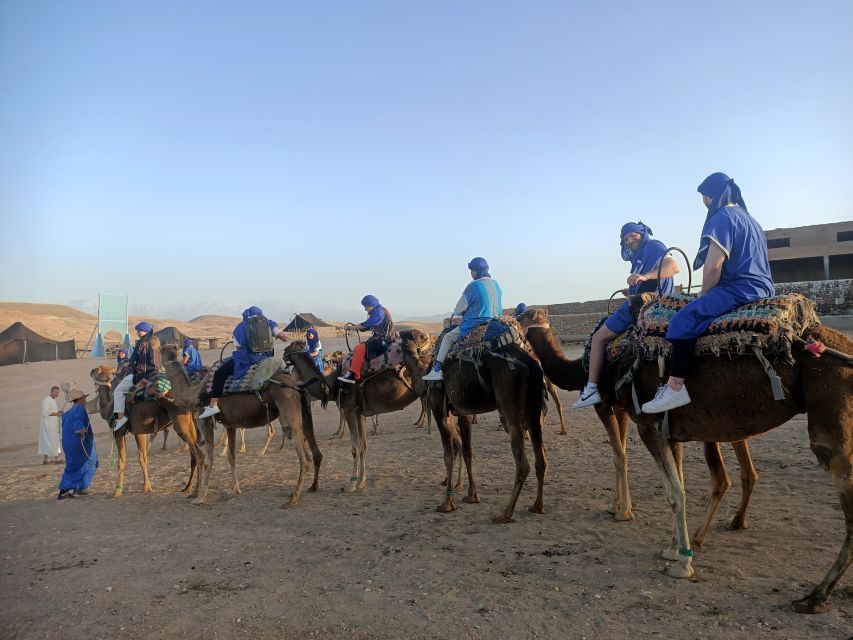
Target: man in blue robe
column 78, row 442
column 480, row 302
column 192, row 358
column 245, row 354
column 645, row 256
column 735, row 272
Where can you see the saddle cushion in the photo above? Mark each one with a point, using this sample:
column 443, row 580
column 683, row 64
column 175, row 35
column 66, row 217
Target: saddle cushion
column 770, row 324
column 392, row 358
column 614, row 350
column 149, row 388
column 494, row 335
column 256, row 378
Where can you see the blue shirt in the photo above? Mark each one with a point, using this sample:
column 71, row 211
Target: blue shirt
column 480, row 302
column 746, row 271
column 193, row 365
column 647, row 259
column 243, row 358
column 380, row 321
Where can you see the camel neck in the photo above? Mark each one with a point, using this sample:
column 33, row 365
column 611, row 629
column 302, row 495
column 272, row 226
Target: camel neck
column 563, row 372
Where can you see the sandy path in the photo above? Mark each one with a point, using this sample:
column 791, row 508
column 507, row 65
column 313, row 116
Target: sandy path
column 384, row 564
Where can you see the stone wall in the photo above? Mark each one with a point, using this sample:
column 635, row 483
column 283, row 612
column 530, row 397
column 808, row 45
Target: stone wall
column 832, row 297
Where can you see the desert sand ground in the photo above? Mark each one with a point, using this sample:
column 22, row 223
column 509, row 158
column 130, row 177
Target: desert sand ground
column 383, row 563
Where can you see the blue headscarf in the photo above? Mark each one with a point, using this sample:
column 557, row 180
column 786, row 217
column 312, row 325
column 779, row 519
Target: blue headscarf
column 521, row 308
column 119, row 352
column 144, row 326
column 633, row 227
column 480, row 268
column 187, row 343
column 251, row 312
column 245, row 314
column 722, row 190
column 311, row 339
column 370, row 301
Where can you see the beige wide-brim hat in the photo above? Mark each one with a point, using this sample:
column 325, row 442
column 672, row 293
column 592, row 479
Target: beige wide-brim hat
column 76, row 394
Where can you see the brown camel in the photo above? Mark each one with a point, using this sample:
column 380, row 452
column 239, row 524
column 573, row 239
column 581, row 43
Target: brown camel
column 384, row 392
column 570, row 375
column 511, row 382
column 282, row 398
column 146, row 419
column 723, row 391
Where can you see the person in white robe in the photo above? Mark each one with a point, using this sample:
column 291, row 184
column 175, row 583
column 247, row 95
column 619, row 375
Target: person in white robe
column 49, row 430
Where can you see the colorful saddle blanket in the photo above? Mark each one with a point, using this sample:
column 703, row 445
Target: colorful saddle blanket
column 770, row 324
column 393, row 357
column 256, row 378
column 496, row 334
column 149, row 388
column 614, row 350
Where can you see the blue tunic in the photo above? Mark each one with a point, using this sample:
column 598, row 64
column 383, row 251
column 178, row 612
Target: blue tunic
column 243, row 357
column 380, row 321
column 315, row 345
column 193, row 365
column 745, row 276
column 81, row 459
column 483, row 300
column 647, row 259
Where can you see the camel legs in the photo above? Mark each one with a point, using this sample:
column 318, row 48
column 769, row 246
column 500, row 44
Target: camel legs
column 720, row 483
column 833, row 448
column 283, row 440
column 358, row 440
column 165, row 438
column 615, row 422
column 232, row 458
column 206, row 463
column 451, row 443
column 667, row 458
column 748, row 479
column 473, row 496
column 342, row 423
column 301, row 447
column 121, row 454
column 424, row 409
column 316, row 455
column 553, row 392
column 375, row 422
column 142, row 450
column 270, row 436
column 522, row 468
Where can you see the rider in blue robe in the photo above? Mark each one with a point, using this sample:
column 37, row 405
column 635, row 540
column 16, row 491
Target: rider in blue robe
column 78, row 443
column 736, row 271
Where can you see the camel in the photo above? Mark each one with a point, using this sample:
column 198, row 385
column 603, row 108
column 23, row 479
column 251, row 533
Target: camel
column 384, row 392
column 511, row 382
column 223, row 441
column 92, row 407
column 148, row 417
column 570, row 375
column 281, row 398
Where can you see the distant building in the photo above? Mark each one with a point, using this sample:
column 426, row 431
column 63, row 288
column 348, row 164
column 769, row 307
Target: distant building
column 814, row 252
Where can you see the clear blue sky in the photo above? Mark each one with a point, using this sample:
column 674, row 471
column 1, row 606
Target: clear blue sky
column 202, row 156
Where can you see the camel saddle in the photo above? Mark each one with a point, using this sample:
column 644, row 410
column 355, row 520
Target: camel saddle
column 256, row 378
column 149, row 388
column 493, row 336
column 769, row 325
column 391, row 359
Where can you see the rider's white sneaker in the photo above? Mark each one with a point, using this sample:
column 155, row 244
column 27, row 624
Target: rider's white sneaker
column 587, row 398
column 120, row 423
column 208, row 411
column 667, row 399
column 434, row 376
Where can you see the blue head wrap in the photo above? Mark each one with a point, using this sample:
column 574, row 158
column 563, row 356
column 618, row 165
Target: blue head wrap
column 119, row 352
column 370, row 301
column 187, row 343
column 521, row 308
column 311, row 334
column 722, row 190
column 633, row 227
column 480, row 268
column 252, row 312
column 144, row 326
column 245, row 314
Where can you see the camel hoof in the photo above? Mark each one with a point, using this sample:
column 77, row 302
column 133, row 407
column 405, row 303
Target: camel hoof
column 314, row 488
column 680, row 570
column 293, row 502
column 739, row 523
column 148, row 488
column 623, row 516
column 697, row 541
column 810, row 604
column 536, row 508
column 474, row 499
column 349, row 490
column 199, row 501
column 563, row 432
column 669, row 554
column 445, row 507
column 502, row 519
column 118, row 493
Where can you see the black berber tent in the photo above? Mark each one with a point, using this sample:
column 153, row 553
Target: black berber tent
column 20, row 344
column 170, row 335
column 302, row 321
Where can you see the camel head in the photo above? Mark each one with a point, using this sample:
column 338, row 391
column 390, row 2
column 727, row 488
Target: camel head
column 169, row 352
column 102, row 375
column 336, row 357
column 417, row 340
column 534, row 317
column 638, row 301
column 293, row 347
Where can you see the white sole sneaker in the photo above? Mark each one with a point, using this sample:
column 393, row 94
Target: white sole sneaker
column 587, row 400
column 666, row 400
column 120, row 423
column 434, row 376
column 209, row 411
